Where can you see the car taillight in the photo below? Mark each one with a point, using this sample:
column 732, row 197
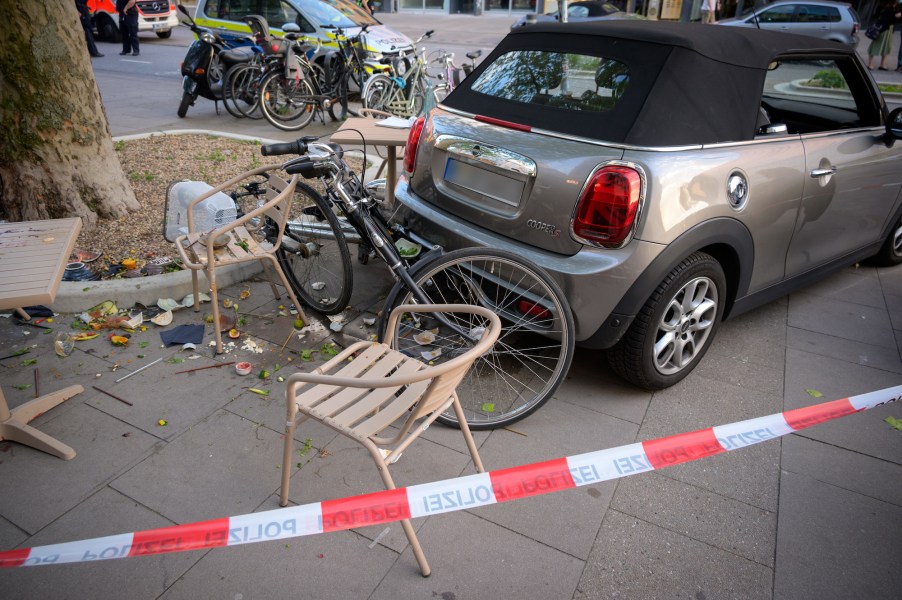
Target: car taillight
column 533, row 310
column 413, row 140
column 608, row 206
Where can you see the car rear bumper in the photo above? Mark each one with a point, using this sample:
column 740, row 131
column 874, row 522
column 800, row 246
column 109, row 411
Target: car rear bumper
column 593, row 280
column 157, row 22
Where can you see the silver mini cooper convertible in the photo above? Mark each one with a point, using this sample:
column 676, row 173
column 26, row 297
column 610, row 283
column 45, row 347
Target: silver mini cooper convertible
column 666, row 175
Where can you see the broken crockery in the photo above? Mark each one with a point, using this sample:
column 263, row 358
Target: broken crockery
column 163, row 319
column 189, row 299
column 168, row 304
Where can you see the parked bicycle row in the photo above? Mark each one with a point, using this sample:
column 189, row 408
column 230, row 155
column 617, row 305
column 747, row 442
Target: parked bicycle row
column 292, row 80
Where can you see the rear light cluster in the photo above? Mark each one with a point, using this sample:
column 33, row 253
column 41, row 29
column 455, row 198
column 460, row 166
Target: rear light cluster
column 413, row 140
column 608, row 207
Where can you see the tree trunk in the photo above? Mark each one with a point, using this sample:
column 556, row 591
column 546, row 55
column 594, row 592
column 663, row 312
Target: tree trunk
column 56, row 152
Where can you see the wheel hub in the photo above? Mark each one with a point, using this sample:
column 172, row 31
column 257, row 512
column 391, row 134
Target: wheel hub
column 685, row 325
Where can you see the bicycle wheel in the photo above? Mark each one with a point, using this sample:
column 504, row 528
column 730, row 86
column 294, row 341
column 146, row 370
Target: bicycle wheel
column 287, row 103
column 531, row 357
column 241, row 91
column 314, row 253
column 377, row 92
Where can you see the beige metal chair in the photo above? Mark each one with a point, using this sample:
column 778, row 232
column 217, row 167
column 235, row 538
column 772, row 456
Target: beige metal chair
column 235, row 243
column 380, row 387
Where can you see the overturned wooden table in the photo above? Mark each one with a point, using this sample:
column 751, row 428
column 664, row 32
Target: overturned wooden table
column 33, row 257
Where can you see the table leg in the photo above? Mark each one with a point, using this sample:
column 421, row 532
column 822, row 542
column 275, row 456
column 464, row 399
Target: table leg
column 391, row 177
column 14, row 423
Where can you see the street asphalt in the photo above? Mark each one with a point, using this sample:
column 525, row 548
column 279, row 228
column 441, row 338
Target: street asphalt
column 816, row 514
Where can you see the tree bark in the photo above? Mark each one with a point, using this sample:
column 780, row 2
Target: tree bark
column 56, row 152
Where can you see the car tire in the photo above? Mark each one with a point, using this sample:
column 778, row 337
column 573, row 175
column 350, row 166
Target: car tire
column 164, row 35
column 107, row 29
column 891, row 252
column 675, row 328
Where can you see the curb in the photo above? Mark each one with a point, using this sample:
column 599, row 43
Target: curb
column 77, row 296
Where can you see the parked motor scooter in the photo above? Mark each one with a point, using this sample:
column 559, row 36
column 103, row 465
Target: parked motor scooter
column 206, row 62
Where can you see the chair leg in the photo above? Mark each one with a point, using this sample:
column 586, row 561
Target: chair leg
column 286, row 458
column 405, row 523
column 468, row 437
column 194, row 287
column 294, row 299
column 272, row 284
column 215, row 297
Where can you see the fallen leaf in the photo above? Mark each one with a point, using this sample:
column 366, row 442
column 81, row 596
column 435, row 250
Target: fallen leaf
column 814, row 393
column 894, row 423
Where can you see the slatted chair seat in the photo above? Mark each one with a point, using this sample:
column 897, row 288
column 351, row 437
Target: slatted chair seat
column 370, row 387
column 199, row 250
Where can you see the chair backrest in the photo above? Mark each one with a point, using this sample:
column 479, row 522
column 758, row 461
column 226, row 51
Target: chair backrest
column 278, row 197
column 448, row 375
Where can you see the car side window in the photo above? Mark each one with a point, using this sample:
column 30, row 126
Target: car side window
column 230, row 9
column 305, row 25
column 812, row 13
column 572, row 82
column 811, row 96
column 278, row 12
column 778, row 14
column 212, row 8
column 579, row 12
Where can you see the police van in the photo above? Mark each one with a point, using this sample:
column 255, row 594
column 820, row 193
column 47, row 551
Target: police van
column 314, row 17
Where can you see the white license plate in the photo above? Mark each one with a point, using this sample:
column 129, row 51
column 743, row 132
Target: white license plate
column 506, row 190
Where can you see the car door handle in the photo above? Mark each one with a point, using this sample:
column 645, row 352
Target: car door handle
column 815, row 173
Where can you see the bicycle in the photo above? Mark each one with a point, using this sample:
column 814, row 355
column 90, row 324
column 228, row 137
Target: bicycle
column 284, row 85
column 449, row 73
column 401, row 89
column 352, row 54
column 535, row 349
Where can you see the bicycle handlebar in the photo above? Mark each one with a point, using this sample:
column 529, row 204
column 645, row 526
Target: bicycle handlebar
column 295, row 147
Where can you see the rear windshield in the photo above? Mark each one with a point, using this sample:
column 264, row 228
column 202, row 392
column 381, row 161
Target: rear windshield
column 572, row 82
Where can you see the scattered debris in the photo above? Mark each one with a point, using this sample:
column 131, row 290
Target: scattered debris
column 243, row 368
column 113, row 396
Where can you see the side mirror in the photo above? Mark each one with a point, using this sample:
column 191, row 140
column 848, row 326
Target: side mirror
column 291, row 28
column 893, row 127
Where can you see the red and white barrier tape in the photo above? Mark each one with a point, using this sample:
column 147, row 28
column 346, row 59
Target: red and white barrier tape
column 450, row 494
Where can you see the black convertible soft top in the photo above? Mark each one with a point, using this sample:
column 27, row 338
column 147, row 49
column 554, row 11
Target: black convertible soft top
column 689, row 83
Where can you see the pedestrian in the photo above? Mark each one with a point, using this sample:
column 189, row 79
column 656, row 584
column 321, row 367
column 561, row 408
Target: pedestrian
column 128, row 26
column 84, row 15
column 709, row 11
column 886, row 14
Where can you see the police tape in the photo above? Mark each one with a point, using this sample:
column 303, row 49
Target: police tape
column 450, row 494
